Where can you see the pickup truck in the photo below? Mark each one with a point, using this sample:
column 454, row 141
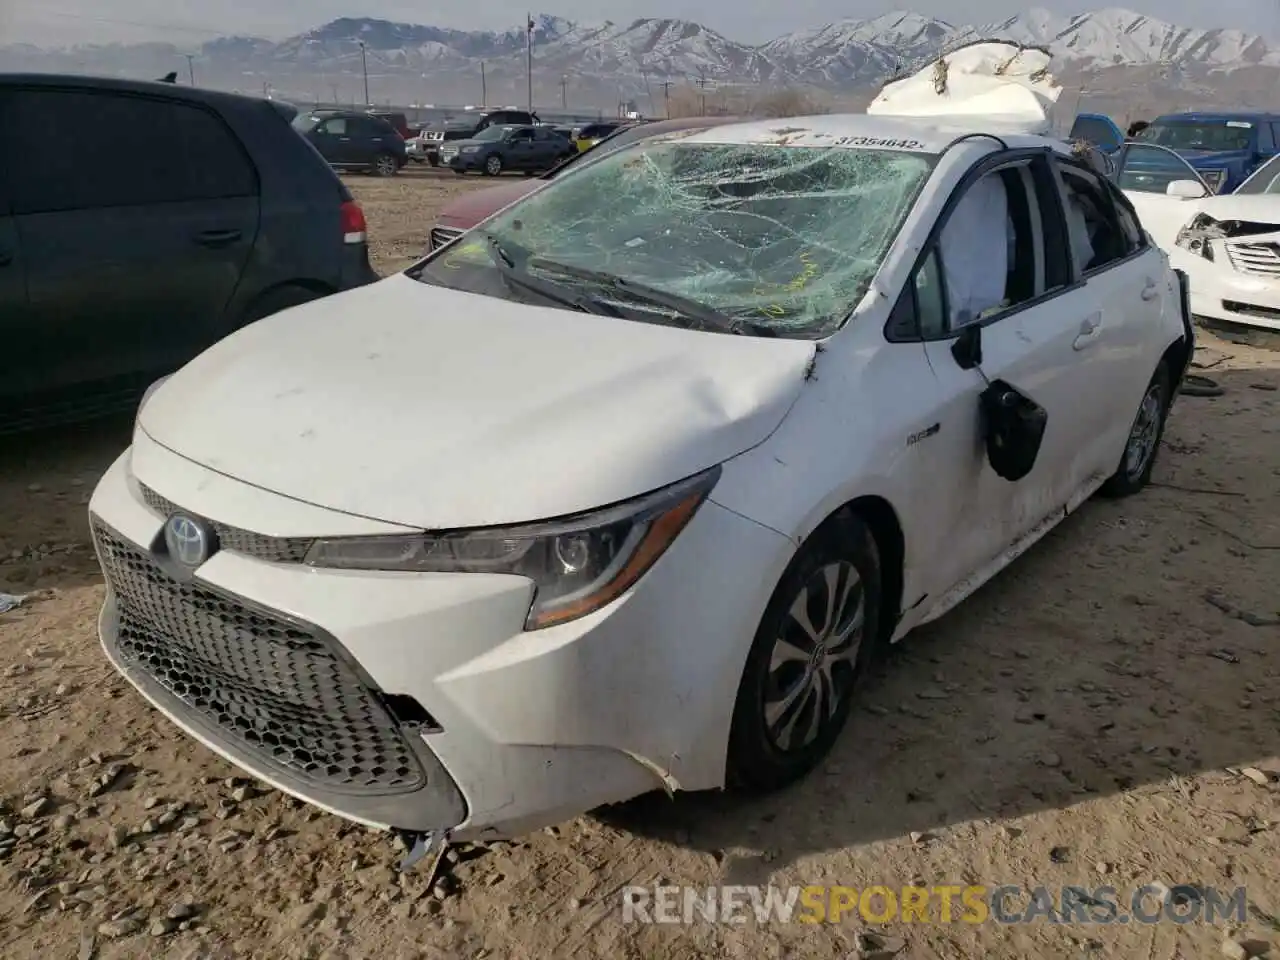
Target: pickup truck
column 465, row 128
column 1223, row 148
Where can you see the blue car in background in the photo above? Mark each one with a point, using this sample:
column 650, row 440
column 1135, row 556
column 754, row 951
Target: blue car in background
column 1223, row 148
column 1099, row 130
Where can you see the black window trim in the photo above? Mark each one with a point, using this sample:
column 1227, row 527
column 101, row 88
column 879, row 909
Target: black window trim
column 205, row 108
column 1054, row 232
column 1079, row 169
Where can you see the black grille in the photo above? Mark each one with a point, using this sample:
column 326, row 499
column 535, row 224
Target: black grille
column 442, row 235
column 277, row 688
column 257, row 545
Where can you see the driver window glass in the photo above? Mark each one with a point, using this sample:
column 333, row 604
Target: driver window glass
column 1097, row 236
column 337, row 127
column 989, row 249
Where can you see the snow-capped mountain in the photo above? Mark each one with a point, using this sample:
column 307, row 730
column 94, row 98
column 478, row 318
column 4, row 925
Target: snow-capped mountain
column 635, row 56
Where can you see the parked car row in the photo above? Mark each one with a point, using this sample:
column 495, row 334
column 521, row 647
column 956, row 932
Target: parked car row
column 199, row 213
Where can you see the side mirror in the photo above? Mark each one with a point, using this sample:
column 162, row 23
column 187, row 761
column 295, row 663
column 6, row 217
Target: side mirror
column 967, row 350
column 1186, row 189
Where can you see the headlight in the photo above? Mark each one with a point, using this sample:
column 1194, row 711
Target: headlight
column 1197, row 236
column 470, row 149
column 577, row 564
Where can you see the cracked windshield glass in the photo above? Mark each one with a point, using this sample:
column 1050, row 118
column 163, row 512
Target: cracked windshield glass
column 760, row 238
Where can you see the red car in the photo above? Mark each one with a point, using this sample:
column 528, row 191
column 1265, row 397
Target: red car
column 470, row 208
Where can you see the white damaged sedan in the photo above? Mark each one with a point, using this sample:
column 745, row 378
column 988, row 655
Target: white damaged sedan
column 629, row 487
column 1228, row 244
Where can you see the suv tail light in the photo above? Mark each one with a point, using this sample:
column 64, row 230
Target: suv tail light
column 354, row 228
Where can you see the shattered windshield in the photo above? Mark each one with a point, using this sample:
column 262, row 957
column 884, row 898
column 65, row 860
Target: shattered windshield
column 1217, row 136
column 776, row 239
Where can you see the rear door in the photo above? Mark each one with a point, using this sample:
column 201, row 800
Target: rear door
column 132, row 252
column 371, row 136
column 1126, row 286
column 548, row 147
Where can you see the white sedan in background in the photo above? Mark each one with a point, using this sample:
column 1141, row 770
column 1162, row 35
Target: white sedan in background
column 1228, row 245
column 627, row 489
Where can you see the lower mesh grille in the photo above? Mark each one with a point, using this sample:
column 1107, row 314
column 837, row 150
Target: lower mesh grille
column 277, row 688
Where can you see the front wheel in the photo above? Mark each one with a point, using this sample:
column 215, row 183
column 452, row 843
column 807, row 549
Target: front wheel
column 816, row 640
column 493, row 166
column 1145, row 434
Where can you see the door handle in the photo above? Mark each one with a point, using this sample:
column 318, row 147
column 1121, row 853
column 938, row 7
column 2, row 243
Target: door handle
column 344, row 139
column 1089, row 328
column 1151, row 290
column 217, row 238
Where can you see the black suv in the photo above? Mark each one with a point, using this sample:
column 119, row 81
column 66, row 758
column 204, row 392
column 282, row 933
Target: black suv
column 434, row 134
column 194, row 213
column 495, row 149
column 354, row 141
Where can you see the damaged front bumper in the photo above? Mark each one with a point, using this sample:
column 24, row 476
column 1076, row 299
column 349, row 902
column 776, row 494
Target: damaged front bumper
column 1234, row 271
column 418, row 703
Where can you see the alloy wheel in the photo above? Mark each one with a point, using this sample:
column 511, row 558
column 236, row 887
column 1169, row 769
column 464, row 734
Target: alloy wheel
column 812, row 665
column 386, row 166
column 493, row 166
column 1145, row 433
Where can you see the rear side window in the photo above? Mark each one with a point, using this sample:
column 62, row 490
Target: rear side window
column 144, row 151
column 1095, row 131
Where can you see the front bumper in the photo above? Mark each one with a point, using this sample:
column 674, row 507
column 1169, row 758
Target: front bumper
column 417, row 701
column 1222, row 293
column 463, row 161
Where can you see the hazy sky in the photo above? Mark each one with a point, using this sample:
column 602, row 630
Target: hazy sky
column 183, row 21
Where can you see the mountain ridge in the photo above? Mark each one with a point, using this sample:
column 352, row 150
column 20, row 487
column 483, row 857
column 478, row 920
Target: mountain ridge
column 635, row 55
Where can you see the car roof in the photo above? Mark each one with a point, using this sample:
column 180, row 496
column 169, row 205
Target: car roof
column 53, row 81
column 860, row 131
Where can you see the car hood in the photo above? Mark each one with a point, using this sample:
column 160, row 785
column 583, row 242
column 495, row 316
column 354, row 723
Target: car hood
column 470, row 208
column 1254, row 208
column 432, row 408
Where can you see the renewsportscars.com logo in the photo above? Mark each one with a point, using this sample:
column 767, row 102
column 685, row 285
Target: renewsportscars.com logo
column 1006, row 904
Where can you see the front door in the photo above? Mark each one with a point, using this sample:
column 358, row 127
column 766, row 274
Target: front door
column 1000, row 264
column 523, row 152
column 131, row 259
column 332, row 138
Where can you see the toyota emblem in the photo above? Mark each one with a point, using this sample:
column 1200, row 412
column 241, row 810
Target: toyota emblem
column 189, row 541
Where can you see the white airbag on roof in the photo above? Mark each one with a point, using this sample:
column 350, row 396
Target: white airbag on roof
column 1003, row 84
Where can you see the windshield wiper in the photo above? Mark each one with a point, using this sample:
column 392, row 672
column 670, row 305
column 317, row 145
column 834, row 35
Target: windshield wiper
column 709, row 317
column 512, row 260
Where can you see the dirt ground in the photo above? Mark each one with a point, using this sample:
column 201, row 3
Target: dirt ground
column 1105, row 712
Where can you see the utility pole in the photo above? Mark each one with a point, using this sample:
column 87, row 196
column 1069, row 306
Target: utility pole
column 484, row 87
column 564, row 93
column 666, row 96
column 333, row 89
column 702, row 84
column 364, row 68
column 191, row 68
column 528, row 57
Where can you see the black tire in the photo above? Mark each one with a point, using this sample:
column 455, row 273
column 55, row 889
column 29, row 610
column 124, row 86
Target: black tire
column 384, row 165
column 461, row 173
column 281, row 298
column 492, row 165
column 759, row 759
column 434, row 161
column 1143, row 445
